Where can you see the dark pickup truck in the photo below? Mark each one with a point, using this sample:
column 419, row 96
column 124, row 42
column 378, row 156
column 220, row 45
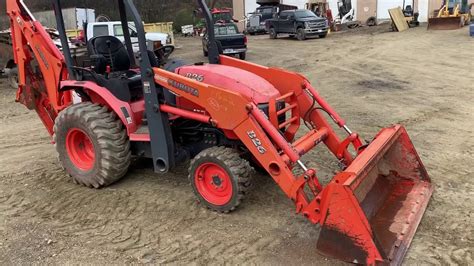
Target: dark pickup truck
column 301, row 23
column 231, row 41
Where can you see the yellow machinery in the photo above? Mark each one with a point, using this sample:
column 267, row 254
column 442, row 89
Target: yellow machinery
column 454, row 14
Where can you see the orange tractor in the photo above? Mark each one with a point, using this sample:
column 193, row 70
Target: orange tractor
column 224, row 117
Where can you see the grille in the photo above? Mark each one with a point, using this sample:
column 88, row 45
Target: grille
column 318, row 24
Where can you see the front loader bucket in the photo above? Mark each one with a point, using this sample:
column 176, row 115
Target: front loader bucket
column 448, row 23
column 370, row 211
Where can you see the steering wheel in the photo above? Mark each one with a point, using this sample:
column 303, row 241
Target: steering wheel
column 163, row 53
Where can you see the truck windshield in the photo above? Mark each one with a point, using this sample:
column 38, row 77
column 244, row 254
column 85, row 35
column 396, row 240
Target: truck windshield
column 118, row 31
column 264, row 10
column 225, row 30
column 305, row 14
column 225, row 16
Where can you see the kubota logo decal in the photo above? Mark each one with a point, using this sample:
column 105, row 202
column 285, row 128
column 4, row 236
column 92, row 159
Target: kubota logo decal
column 256, row 141
column 183, row 87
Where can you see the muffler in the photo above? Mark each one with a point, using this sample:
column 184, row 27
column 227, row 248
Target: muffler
column 373, row 208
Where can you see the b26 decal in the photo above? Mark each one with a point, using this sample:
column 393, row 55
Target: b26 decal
column 256, row 141
column 195, row 76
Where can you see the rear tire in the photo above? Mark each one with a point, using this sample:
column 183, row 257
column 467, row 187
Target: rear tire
column 13, row 78
column 220, row 178
column 92, row 145
column 300, row 34
column 242, row 56
column 205, row 53
column 273, row 33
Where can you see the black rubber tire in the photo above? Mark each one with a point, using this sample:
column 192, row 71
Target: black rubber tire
column 300, row 34
column 13, row 78
column 273, row 33
column 242, row 56
column 322, row 36
column 107, row 134
column 236, row 167
column 372, row 21
column 204, row 52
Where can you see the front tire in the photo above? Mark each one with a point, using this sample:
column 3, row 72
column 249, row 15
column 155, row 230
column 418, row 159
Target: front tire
column 242, row 56
column 92, row 145
column 322, row 36
column 273, row 33
column 301, row 34
column 220, row 178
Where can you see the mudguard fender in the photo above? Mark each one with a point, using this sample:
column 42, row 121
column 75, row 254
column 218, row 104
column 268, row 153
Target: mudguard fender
column 102, row 96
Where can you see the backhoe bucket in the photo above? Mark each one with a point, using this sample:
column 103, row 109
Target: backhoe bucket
column 370, row 211
column 448, row 23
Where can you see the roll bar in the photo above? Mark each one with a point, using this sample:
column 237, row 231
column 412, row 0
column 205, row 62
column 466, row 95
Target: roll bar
column 158, row 123
column 213, row 47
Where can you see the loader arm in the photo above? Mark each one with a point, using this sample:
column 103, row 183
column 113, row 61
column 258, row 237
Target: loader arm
column 370, row 210
column 32, row 47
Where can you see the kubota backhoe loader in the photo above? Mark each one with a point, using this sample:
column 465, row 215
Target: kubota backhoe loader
column 221, row 115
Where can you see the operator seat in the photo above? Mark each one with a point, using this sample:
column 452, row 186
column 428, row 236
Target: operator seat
column 123, row 82
column 112, row 53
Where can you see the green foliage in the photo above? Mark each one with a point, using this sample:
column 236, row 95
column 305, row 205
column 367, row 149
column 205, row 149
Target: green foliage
column 183, row 17
column 178, row 11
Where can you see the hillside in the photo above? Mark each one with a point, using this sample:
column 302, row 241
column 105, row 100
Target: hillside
column 178, row 11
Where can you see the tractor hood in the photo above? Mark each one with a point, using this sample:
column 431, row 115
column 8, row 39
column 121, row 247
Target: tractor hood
column 246, row 83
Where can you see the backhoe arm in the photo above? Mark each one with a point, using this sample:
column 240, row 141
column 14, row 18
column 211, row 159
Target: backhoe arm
column 40, row 65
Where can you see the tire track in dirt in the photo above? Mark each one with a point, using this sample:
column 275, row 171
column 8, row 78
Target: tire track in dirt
column 155, row 219
column 80, row 213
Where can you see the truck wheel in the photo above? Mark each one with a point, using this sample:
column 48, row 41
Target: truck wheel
column 205, row 53
column 322, row 36
column 273, row 33
column 242, row 56
column 300, row 34
column 13, row 78
column 92, row 145
column 220, row 178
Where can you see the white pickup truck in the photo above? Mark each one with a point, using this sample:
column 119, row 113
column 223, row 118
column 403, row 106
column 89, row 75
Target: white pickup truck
column 114, row 28
column 155, row 40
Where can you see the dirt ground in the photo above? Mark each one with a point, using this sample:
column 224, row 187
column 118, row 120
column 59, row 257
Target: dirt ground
column 374, row 78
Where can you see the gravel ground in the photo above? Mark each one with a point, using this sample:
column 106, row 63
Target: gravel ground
column 374, row 78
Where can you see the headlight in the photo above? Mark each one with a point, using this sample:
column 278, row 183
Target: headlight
column 327, row 23
column 306, row 25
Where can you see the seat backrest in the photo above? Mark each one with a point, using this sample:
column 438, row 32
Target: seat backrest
column 112, row 49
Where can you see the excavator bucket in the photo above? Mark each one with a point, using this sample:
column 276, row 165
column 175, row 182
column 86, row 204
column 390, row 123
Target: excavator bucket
column 373, row 208
column 447, row 23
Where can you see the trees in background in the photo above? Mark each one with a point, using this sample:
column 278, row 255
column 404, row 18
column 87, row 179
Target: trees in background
column 178, row 11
